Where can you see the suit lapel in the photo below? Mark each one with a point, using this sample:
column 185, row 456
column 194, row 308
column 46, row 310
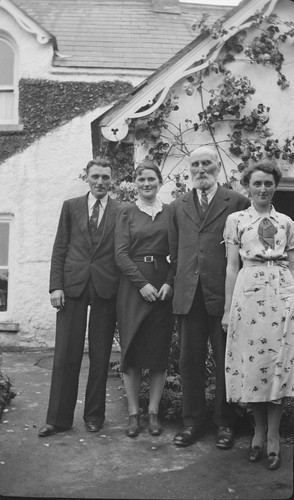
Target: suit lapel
column 80, row 209
column 190, row 208
column 218, row 205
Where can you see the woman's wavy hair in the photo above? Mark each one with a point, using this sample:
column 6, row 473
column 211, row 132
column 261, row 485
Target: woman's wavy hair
column 267, row 166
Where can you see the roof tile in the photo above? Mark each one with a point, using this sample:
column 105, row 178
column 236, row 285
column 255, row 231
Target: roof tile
column 95, row 33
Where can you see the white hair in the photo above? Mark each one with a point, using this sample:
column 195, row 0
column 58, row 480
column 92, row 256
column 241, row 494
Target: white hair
column 211, row 150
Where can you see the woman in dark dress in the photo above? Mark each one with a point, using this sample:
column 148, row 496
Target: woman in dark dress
column 144, row 298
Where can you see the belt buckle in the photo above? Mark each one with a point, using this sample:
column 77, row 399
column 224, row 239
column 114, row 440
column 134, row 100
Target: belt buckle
column 270, row 263
column 148, row 258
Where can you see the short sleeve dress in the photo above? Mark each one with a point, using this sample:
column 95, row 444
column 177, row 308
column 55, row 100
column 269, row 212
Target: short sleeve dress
column 260, row 339
column 141, row 250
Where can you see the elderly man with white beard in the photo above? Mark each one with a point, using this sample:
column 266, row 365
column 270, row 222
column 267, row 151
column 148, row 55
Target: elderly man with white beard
column 197, row 251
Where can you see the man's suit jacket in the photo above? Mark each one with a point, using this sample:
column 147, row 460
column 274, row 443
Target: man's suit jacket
column 197, row 250
column 75, row 259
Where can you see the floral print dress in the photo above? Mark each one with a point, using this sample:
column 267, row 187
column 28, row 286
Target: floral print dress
column 260, row 338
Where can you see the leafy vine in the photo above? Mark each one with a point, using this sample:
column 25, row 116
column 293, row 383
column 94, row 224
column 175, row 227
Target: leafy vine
column 250, row 136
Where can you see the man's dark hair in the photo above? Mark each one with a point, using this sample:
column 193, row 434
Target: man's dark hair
column 100, row 162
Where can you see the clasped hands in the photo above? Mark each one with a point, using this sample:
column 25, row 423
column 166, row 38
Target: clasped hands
column 151, row 294
column 148, row 292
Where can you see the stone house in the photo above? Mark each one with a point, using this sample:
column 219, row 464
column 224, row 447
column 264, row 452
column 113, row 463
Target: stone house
column 63, row 63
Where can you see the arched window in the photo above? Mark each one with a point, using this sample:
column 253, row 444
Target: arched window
column 8, row 83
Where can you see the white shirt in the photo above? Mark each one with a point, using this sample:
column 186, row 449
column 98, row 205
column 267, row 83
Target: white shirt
column 91, row 202
column 210, row 192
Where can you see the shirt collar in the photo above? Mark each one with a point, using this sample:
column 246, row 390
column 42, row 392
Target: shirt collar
column 92, row 200
column 210, row 192
column 152, row 209
column 257, row 216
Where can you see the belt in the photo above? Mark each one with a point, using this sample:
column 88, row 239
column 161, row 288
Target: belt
column 150, row 259
column 266, row 262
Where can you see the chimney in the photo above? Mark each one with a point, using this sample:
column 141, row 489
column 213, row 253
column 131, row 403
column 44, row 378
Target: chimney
column 166, row 6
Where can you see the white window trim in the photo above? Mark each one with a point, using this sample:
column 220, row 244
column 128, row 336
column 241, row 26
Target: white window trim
column 6, row 315
column 15, row 118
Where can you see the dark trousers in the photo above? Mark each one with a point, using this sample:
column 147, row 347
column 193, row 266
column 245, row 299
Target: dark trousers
column 195, row 328
column 69, row 347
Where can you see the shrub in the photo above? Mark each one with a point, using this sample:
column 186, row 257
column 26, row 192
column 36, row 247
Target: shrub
column 6, row 395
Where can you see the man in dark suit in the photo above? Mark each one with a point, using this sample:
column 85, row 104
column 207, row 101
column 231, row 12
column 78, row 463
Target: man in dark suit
column 196, row 232
column 83, row 273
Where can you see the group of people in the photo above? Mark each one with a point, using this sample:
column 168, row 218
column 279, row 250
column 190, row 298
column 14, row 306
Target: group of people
column 220, row 262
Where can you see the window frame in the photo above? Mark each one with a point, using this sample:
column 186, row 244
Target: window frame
column 14, row 87
column 8, row 218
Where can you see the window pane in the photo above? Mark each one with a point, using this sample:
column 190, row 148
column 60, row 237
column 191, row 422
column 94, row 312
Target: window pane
column 4, row 239
column 6, row 63
column 6, row 105
column 3, row 289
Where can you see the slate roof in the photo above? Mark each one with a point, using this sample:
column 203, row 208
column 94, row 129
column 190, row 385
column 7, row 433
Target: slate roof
column 116, row 34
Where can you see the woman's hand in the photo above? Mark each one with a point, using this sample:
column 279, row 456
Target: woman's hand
column 149, row 293
column 225, row 322
column 165, row 292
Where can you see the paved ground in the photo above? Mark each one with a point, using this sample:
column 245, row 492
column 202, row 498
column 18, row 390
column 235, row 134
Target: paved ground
column 77, row 464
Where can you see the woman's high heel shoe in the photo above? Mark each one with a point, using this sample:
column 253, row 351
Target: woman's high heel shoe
column 254, row 454
column 273, row 461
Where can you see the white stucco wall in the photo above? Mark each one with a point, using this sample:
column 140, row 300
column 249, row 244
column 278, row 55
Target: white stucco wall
column 33, row 186
column 34, row 59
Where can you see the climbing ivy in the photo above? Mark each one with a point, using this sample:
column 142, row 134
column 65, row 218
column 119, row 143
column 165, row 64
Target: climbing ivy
column 45, row 105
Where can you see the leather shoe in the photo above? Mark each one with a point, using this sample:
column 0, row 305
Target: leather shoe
column 273, row 461
column 188, row 435
column 154, row 427
column 254, row 454
column 93, row 426
column 50, row 430
column 133, row 428
column 224, row 437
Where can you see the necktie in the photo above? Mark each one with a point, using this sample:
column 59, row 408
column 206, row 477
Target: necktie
column 204, row 200
column 93, row 221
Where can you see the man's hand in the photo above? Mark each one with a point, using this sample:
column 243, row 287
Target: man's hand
column 57, row 299
column 165, row 292
column 149, row 293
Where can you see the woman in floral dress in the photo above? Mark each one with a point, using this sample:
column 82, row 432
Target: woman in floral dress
column 144, row 308
column 259, row 309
